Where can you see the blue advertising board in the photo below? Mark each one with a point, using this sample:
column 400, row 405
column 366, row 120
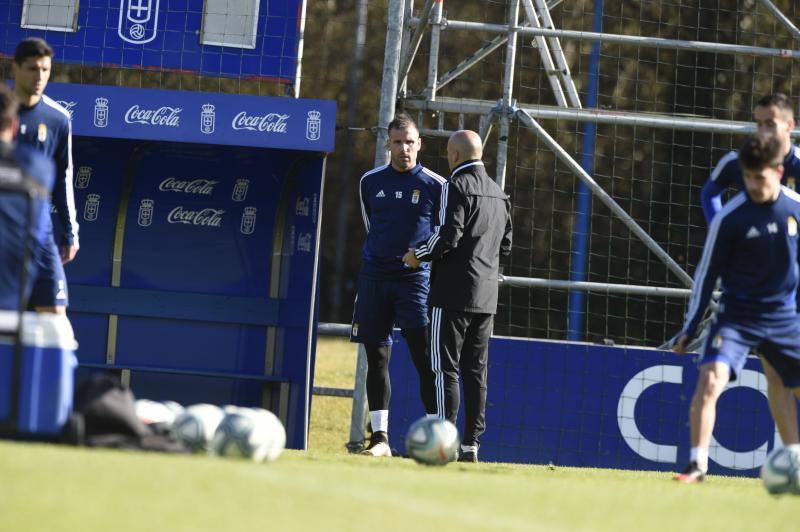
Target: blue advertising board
column 165, row 35
column 197, row 271
column 199, row 117
column 575, row 404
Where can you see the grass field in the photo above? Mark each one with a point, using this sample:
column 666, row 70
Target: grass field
column 330, row 416
column 52, row 488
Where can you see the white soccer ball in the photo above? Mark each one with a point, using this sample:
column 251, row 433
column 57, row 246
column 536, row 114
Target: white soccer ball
column 195, row 427
column 174, row 407
column 781, row 470
column 154, row 414
column 432, row 441
column 252, row 433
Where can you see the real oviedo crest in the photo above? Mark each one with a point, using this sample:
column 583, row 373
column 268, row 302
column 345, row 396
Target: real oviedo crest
column 313, row 125
column 100, row 112
column 207, row 119
column 138, row 20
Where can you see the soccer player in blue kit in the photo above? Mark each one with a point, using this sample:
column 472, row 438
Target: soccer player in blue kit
column 752, row 246
column 45, row 126
column 398, row 202
column 774, row 114
column 21, row 168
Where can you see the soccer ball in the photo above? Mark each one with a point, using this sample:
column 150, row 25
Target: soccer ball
column 432, row 441
column 154, row 414
column 195, row 427
column 252, row 433
column 174, row 407
column 781, row 470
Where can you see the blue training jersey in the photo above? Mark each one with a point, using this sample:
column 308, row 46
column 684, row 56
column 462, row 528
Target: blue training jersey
column 753, row 248
column 14, row 224
column 46, row 127
column 728, row 173
column 398, row 211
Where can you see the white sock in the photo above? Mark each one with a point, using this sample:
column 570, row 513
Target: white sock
column 699, row 455
column 465, row 448
column 435, row 416
column 380, row 420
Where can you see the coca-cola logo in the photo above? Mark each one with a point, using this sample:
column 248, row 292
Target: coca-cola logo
column 204, row 187
column 271, row 123
column 203, row 217
column 163, row 116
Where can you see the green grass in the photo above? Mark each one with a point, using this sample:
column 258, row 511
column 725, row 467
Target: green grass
column 335, row 367
column 51, row 488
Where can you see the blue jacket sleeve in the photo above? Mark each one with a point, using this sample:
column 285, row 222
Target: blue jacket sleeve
column 365, row 212
column 63, row 192
column 452, row 216
column 711, row 199
column 715, row 255
column 436, row 218
column 726, row 174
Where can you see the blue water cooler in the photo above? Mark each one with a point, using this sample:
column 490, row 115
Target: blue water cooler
column 36, row 394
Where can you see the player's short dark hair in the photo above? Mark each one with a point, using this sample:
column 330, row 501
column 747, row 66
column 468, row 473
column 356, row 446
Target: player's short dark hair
column 401, row 121
column 32, row 47
column 760, row 151
column 8, row 107
column 777, row 99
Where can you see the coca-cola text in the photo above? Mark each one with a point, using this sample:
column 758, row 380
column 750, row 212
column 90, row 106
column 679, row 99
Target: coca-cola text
column 163, row 116
column 203, row 187
column 271, row 123
column 203, row 217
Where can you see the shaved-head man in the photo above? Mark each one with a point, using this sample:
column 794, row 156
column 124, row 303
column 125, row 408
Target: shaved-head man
column 464, row 145
column 474, row 231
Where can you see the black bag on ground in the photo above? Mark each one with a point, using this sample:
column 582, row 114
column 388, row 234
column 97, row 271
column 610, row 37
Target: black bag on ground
column 105, row 416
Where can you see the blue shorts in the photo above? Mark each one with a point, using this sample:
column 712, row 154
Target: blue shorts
column 380, row 305
column 731, row 341
column 50, row 286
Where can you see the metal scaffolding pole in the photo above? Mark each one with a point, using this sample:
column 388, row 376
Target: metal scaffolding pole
column 619, row 118
column 405, row 44
column 416, row 39
column 479, row 54
column 780, row 17
column 605, row 288
column 558, row 54
column 544, row 52
column 508, row 84
column 391, row 68
column 607, row 200
column 476, row 57
column 433, row 60
column 635, row 40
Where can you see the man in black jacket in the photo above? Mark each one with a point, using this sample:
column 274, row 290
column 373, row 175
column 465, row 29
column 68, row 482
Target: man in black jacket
column 474, row 229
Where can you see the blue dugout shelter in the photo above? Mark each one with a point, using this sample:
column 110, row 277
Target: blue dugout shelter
column 200, row 217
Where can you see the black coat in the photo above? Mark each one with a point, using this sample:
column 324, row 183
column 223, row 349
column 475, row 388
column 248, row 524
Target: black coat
column 474, row 230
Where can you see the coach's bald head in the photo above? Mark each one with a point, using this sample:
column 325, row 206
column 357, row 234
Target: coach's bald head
column 463, row 145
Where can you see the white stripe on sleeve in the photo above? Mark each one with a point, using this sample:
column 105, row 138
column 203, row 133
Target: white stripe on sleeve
column 708, row 252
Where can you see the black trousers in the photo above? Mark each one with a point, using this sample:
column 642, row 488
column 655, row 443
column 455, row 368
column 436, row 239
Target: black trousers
column 460, row 343
column 379, row 387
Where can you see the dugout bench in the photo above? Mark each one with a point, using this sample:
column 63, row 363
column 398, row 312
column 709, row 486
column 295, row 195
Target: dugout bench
column 199, row 225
